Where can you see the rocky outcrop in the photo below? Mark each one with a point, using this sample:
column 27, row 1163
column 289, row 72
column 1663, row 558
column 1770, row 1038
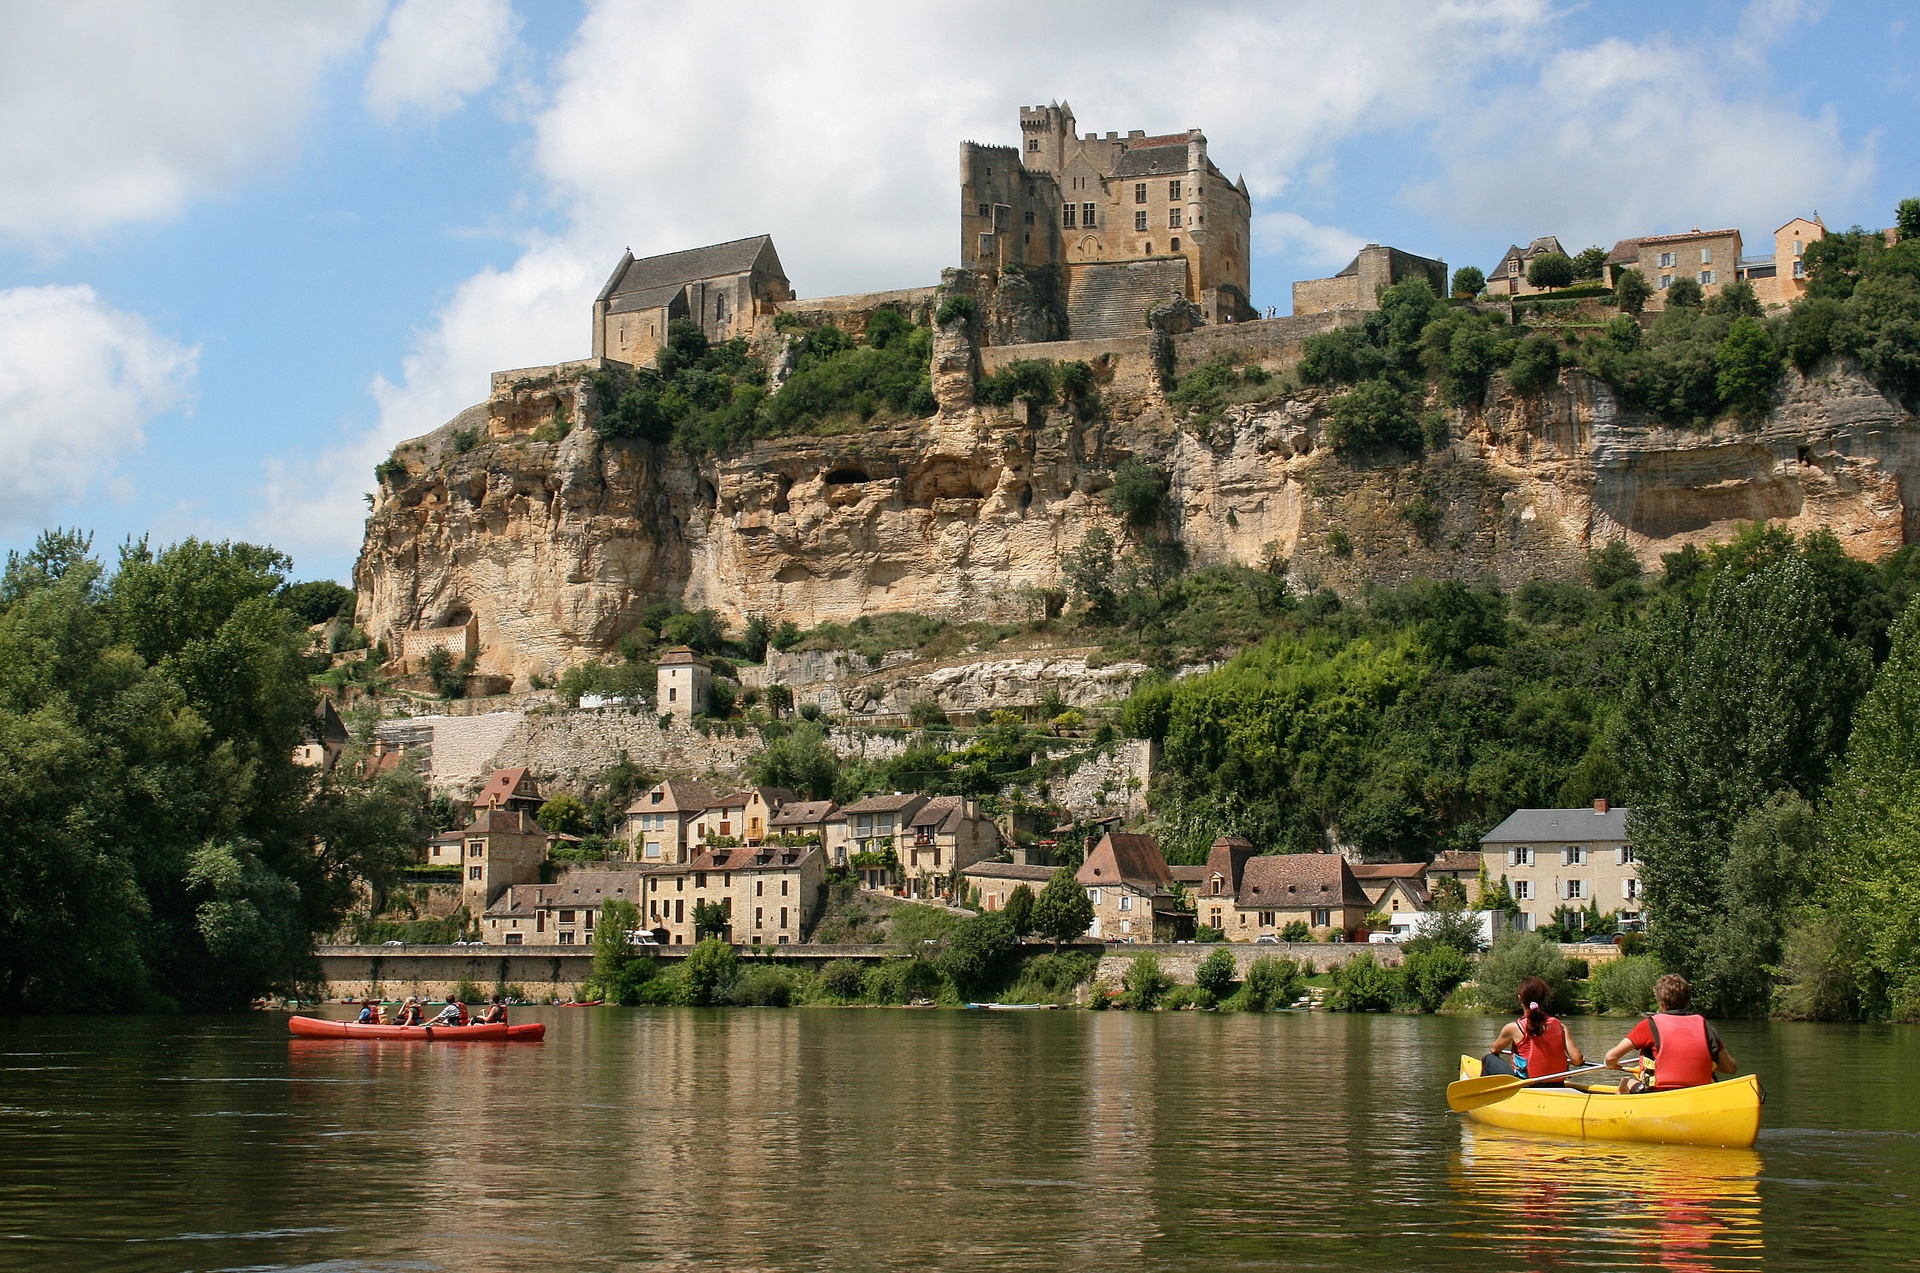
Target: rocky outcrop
column 555, row 541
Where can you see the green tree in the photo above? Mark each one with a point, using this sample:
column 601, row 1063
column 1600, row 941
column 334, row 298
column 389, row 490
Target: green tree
column 1631, row 291
column 1685, row 293
column 1536, row 361
column 710, row 920
column 1139, row 491
column 620, row 970
column 317, row 601
column 756, row 638
column 1144, row 983
column 1216, row 973
column 1019, row 910
column 1611, row 564
column 1429, row 975
column 1468, row 282
column 1590, row 263
column 978, row 957
column 1371, row 415
column 709, row 969
column 1090, row 571
column 1907, row 220
column 1296, row 930
column 1750, row 366
column 1063, row 912
column 563, row 814
column 1514, row 958
column 800, row 761
column 1550, row 269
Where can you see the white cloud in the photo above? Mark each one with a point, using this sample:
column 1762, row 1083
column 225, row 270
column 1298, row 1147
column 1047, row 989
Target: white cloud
column 78, row 383
column 113, row 114
column 436, row 53
column 1624, row 138
column 1291, row 234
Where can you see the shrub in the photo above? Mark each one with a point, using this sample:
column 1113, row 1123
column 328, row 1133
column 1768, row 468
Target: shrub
column 1271, row 982
column 1138, row 492
column 620, row 971
column 903, row 980
column 392, row 471
column 1372, row 414
column 1578, row 969
column 1216, row 973
column 760, row 986
column 468, row 991
column 1614, row 563
column 1514, row 957
column 844, row 978
column 1685, row 293
column 925, row 712
column 708, row 970
column 1625, row 986
column 1750, row 365
column 1362, row 984
column 1033, row 381
column 1536, row 363
column 464, row 440
column 1206, row 933
column 1053, row 977
column 1428, row 976
column 1296, row 930
column 1468, row 282
column 954, row 305
column 563, row 815
column 979, row 953
column 1179, row 997
column 1144, row 982
column 1631, row 291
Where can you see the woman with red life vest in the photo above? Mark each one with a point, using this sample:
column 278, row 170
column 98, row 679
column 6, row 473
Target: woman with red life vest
column 1539, row 1042
column 1677, row 1047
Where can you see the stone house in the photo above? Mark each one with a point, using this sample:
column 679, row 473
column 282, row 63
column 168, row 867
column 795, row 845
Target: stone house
column 1459, row 865
column 659, row 824
column 559, row 914
column 739, row 815
column 948, row 834
column 770, row 895
column 1248, row 895
column 989, row 884
column 1710, row 257
column 1127, row 221
column 1394, row 887
column 1564, row 857
column 1781, row 279
column 1509, row 278
column 322, row 739
column 1358, row 286
column 797, row 818
column 511, row 789
column 683, row 683
column 1127, row 881
column 723, row 287
column 498, row 849
column 874, row 826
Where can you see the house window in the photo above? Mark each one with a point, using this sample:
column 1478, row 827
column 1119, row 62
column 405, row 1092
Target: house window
column 566, row 917
column 679, row 910
column 1523, row 890
column 1705, row 277
column 1666, row 281
column 513, row 939
column 783, row 884
column 1667, row 260
column 1140, row 193
column 1574, row 855
column 1323, row 919
column 1173, row 190
column 756, row 917
column 475, row 848
column 1799, row 267
column 539, row 921
column 1126, row 902
column 1173, row 218
column 783, row 917
column 1576, row 889
column 1630, row 890
column 1266, row 919
column 1624, row 855
column 1066, row 215
column 1139, row 220
column 1086, row 215
column 653, row 851
column 475, row 873
column 1520, row 855
column 759, row 887
column 720, row 309
column 1706, row 256
column 566, row 939
column 1093, row 895
column 672, row 694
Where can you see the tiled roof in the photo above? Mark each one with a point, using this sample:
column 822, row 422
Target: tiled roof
column 675, row 797
column 1530, row 826
column 1189, row 874
column 504, row 820
column 500, row 785
column 1124, row 857
column 1389, row 870
column 885, row 804
column 579, row 888
column 1010, row 871
column 1455, row 860
column 1294, row 880
column 1629, row 249
column 681, row 654
column 802, row 813
column 673, row 270
column 1139, row 160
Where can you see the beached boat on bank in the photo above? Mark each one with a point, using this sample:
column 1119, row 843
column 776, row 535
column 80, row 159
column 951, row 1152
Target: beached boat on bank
column 1725, row 1114
column 319, row 1028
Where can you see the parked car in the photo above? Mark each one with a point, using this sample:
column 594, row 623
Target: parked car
column 1266, row 939
column 393, row 943
column 475, row 942
column 640, row 937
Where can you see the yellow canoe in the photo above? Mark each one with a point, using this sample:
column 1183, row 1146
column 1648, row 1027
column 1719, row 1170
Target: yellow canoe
column 1725, row 1114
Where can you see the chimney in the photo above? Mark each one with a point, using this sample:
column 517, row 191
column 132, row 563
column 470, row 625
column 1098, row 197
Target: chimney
column 1599, row 806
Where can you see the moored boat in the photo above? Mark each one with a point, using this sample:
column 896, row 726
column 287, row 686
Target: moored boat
column 320, row 1028
column 1724, row 1114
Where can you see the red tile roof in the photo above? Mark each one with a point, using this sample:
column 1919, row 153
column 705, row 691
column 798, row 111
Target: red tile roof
column 1122, row 857
column 1281, row 881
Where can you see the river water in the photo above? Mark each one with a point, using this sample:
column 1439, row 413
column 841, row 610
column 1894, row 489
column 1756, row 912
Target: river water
column 836, row 1139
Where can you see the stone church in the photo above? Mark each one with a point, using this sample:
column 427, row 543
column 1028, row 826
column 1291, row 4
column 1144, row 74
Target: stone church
column 724, row 286
column 1131, row 221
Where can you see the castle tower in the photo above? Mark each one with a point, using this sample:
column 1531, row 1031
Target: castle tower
column 682, row 684
column 1045, row 132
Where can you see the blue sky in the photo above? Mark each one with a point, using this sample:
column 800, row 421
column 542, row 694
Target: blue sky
column 245, row 249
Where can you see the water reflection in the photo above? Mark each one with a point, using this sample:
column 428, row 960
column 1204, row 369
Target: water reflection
column 1564, row 1204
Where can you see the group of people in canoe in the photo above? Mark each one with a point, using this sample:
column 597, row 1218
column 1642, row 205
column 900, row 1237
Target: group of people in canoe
column 1676, row 1045
column 373, row 1012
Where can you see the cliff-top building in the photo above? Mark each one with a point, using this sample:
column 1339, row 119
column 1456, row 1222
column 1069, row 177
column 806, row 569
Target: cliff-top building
column 723, row 287
column 1131, row 221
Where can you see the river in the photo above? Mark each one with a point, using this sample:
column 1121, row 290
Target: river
column 837, row 1139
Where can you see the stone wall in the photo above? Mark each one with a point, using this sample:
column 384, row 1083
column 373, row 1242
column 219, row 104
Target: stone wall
column 844, row 684
column 1116, row 777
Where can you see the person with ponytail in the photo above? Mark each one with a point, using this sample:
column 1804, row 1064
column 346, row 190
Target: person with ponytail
column 1538, row 1041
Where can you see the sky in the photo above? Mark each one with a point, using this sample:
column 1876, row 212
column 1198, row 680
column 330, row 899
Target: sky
column 247, row 248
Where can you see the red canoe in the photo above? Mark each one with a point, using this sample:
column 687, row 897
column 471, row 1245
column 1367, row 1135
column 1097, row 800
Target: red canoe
column 317, row 1028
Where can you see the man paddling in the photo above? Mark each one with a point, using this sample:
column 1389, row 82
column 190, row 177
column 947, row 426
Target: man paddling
column 1677, row 1047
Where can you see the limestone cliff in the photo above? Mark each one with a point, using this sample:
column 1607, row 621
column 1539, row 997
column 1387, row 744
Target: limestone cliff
column 516, row 514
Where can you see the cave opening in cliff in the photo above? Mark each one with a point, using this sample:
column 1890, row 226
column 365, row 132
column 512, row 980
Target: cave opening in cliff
column 846, row 477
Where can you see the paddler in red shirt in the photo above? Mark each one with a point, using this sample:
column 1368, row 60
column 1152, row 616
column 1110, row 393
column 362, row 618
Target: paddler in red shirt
column 1677, row 1047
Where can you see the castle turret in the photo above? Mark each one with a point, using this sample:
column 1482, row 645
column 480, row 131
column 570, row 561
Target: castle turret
column 1045, row 132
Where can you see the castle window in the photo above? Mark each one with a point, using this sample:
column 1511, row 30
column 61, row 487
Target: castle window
column 1173, row 218
column 983, row 209
column 1139, row 220
column 1066, row 216
column 1033, row 143
column 1176, row 243
column 1173, row 190
column 1029, row 216
column 1140, row 193
column 1086, row 215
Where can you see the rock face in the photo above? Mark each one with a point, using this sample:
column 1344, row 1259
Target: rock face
column 518, row 514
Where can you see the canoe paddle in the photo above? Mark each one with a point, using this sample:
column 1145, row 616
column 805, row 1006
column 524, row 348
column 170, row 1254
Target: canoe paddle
column 1490, row 1089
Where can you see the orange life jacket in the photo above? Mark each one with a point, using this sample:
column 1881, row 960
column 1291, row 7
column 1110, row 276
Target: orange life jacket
column 1682, row 1053
column 1544, row 1053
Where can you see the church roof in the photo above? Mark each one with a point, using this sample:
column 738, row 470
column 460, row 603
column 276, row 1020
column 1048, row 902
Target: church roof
column 651, row 281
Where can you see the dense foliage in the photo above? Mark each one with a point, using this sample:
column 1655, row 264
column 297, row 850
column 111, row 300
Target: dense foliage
column 163, row 847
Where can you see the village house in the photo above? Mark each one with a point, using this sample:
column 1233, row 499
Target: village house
column 768, row 896
column 1393, row 888
column 1575, row 858
column 988, row 885
column 1127, row 881
column 498, row 848
column 742, row 816
column 1462, row 866
column 1509, row 278
column 659, row 824
column 559, row 914
column 723, row 287
column 797, row 819
column 866, row 831
column 1249, row 896
column 1710, row 258
column 683, row 682
column 511, row 789
column 322, row 739
column 949, row 833
column 1781, row 279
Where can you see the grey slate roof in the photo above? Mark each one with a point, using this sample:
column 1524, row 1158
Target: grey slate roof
column 1548, row 826
column 652, row 281
column 1152, row 161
